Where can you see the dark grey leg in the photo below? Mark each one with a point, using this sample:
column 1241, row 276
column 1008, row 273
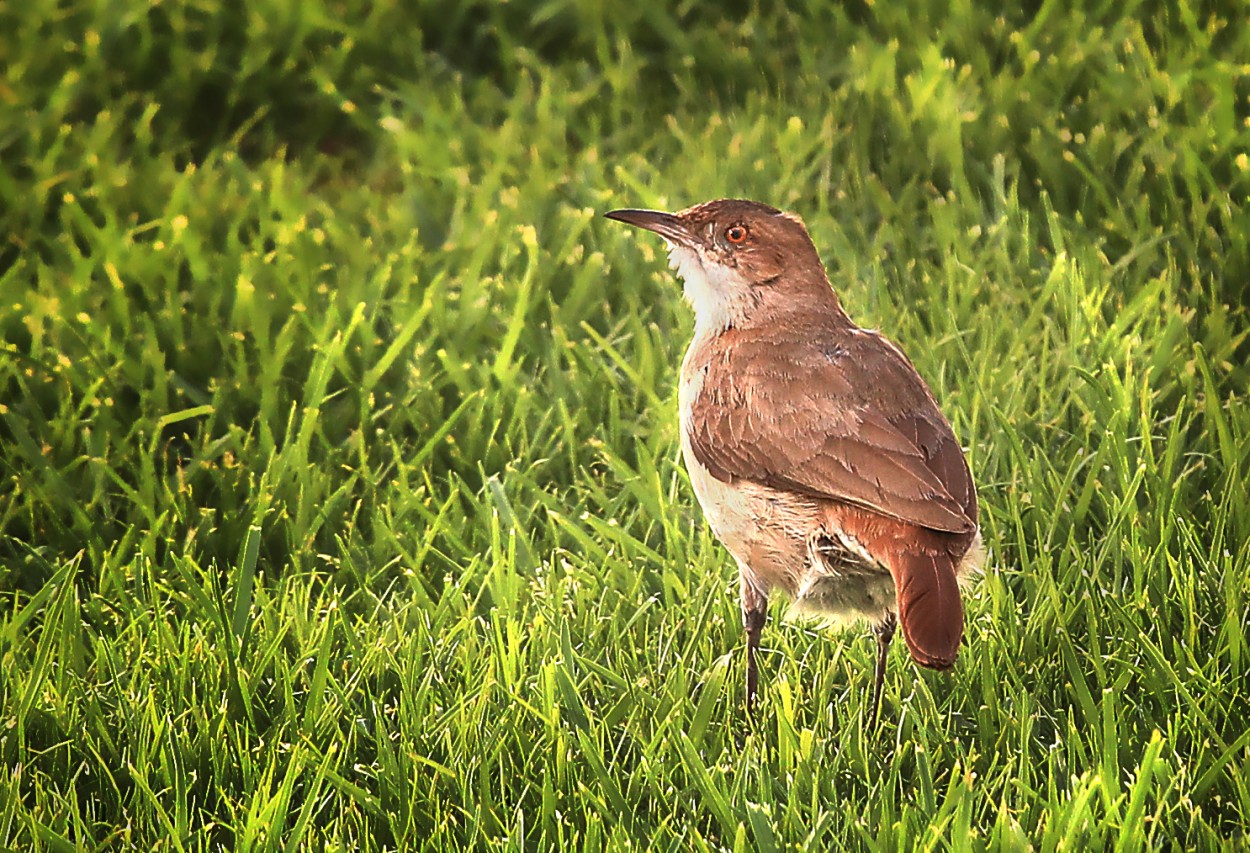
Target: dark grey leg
column 754, row 614
column 884, row 631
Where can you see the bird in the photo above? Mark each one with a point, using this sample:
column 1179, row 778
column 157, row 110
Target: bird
column 820, row 457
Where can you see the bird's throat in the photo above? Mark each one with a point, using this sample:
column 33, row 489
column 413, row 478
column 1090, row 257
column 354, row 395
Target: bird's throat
column 718, row 295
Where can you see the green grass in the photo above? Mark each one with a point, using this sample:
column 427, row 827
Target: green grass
column 340, row 501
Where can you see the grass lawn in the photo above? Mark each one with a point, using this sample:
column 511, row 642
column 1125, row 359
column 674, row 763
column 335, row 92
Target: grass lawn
column 340, row 499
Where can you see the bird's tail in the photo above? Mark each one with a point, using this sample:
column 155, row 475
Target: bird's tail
column 929, row 608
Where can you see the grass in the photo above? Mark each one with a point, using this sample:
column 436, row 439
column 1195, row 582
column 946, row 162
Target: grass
column 340, row 501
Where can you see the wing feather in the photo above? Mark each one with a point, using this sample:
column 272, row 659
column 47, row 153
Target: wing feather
column 847, row 420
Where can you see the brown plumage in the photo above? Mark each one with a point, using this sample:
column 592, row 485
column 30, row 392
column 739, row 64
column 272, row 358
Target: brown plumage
column 819, row 455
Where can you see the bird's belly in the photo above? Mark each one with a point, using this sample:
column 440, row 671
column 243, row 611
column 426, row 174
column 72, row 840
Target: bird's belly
column 781, row 542
column 775, row 538
column 764, row 533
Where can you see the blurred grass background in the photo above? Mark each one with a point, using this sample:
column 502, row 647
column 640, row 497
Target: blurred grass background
column 340, row 505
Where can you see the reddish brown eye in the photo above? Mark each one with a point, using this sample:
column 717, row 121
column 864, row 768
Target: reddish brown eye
column 736, row 234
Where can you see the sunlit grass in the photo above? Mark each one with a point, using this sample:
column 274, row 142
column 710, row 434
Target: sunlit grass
column 341, row 505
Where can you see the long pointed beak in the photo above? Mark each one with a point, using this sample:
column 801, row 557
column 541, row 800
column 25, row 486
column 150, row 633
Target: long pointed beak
column 666, row 225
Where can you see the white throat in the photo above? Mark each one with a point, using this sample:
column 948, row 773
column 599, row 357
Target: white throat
column 715, row 292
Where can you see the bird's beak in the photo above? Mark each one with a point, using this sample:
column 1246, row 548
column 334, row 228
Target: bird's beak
column 666, row 225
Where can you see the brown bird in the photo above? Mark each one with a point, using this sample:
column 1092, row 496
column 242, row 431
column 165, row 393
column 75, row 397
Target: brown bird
column 818, row 454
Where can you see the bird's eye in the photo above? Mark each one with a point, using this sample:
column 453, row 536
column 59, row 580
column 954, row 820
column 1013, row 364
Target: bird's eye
column 736, row 234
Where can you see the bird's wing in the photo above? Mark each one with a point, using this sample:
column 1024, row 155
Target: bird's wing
column 847, row 420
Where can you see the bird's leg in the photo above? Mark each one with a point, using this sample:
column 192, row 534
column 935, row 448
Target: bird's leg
column 884, row 631
column 754, row 614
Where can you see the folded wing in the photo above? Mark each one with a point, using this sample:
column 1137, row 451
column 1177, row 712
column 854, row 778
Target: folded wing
column 849, row 420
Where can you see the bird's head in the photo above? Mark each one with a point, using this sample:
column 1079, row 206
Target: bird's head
column 741, row 261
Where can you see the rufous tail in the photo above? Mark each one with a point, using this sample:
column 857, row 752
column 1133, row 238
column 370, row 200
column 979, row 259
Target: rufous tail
column 929, row 608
